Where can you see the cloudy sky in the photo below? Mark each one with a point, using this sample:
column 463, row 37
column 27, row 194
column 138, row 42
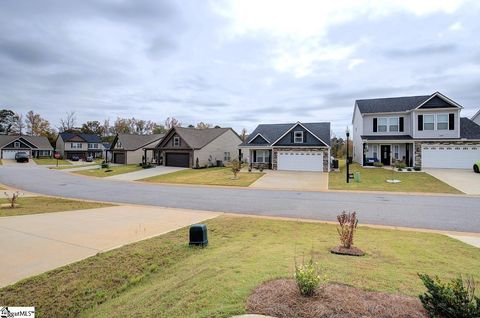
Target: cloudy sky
column 233, row 63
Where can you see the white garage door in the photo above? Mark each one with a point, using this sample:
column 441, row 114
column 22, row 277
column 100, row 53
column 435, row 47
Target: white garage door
column 445, row 156
column 300, row 161
column 10, row 154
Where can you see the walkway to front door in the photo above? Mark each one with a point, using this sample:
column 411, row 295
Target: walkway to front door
column 385, row 154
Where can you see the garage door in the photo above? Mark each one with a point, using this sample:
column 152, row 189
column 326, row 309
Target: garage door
column 455, row 157
column 178, row 160
column 300, row 161
column 10, row 154
column 119, row 157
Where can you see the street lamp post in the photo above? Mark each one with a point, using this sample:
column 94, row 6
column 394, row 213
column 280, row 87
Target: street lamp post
column 347, row 132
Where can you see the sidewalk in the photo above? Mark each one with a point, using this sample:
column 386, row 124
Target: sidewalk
column 41, row 242
column 144, row 173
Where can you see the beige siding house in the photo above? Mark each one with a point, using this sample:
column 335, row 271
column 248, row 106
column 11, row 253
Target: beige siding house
column 197, row 148
column 128, row 148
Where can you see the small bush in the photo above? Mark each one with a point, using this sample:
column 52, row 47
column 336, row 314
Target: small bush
column 400, row 169
column 453, row 299
column 378, row 164
column 105, row 165
column 307, row 277
column 409, row 169
column 400, row 165
column 417, row 168
column 348, row 223
column 235, row 167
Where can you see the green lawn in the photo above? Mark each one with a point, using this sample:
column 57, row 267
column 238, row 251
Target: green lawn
column 73, row 167
column 50, row 161
column 374, row 179
column 209, row 176
column 163, row 277
column 113, row 170
column 36, row 205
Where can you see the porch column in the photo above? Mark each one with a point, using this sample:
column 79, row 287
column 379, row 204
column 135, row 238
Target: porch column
column 364, row 155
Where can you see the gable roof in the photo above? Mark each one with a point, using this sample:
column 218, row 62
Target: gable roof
column 134, row 142
column 398, row 104
column 199, row 138
column 469, row 129
column 40, row 142
column 66, row 136
column 273, row 132
column 476, row 115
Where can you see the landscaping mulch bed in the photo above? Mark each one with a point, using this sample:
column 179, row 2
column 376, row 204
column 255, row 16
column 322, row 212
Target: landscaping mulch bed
column 352, row 251
column 281, row 298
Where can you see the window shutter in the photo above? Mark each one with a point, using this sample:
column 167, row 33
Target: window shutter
column 179, row 142
column 254, row 156
column 400, row 127
column 451, row 121
column 375, row 125
column 304, row 136
column 420, row 122
column 292, row 136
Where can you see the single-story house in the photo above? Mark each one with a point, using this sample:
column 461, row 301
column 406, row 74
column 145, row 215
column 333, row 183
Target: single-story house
column 128, row 148
column 294, row 146
column 79, row 144
column 34, row 146
column 196, row 148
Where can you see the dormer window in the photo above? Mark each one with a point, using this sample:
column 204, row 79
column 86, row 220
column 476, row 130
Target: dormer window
column 16, row 144
column 176, row 141
column 298, row 137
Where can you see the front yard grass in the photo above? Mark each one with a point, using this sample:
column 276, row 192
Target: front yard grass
column 374, row 179
column 36, row 205
column 50, row 161
column 113, row 170
column 210, row 176
column 163, row 277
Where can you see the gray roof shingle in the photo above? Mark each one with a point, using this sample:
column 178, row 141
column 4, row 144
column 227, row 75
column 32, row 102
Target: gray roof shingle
column 40, row 142
column 66, row 136
column 134, row 142
column 199, row 138
column 469, row 129
column 274, row 131
column 392, row 104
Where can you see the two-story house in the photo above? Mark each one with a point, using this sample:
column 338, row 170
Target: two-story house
column 295, row 146
column 425, row 131
column 78, row 144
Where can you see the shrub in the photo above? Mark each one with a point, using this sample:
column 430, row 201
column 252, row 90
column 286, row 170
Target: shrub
column 454, row 299
column 400, row 165
column 105, row 165
column 307, row 276
column 12, row 199
column 378, row 164
column 409, row 169
column 348, row 223
column 417, row 168
column 400, row 169
column 235, row 166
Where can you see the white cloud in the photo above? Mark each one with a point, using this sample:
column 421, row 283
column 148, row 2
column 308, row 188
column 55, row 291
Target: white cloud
column 354, row 63
column 456, row 26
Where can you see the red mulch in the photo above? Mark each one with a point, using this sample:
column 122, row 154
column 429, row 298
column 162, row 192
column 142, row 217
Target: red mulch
column 353, row 251
column 281, row 298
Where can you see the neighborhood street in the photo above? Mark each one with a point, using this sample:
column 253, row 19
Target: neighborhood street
column 454, row 213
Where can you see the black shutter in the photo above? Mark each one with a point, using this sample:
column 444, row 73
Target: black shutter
column 374, row 125
column 400, row 128
column 254, row 156
column 451, row 121
column 420, row 122
column 304, row 137
column 291, row 136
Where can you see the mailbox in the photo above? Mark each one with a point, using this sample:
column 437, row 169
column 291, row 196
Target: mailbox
column 198, row 235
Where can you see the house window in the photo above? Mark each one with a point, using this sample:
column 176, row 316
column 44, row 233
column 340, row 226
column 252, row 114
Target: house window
column 442, row 122
column 16, row 144
column 93, row 146
column 263, row 156
column 226, row 156
column 298, row 137
column 375, row 151
column 428, row 122
column 176, row 141
column 76, row 145
column 382, row 125
column 393, row 124
column 396, row 150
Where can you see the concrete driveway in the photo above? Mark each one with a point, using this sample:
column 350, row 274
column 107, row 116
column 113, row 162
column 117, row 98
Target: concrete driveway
column 11, row 162
column 41, row 242
column 464, row 180
column 292, row 180
column 145, row 173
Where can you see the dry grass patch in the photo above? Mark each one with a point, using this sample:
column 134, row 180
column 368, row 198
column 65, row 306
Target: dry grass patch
column 113, row 170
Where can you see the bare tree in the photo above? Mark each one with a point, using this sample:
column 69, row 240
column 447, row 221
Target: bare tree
column 244, row 135
column 172, row 122
column 202, row 125
column 68, row 123
column 19, row 124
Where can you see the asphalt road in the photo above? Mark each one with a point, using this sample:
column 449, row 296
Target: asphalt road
column 454, row 213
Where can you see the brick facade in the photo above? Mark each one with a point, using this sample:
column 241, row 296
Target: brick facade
column 322, row 149
column 418, row 147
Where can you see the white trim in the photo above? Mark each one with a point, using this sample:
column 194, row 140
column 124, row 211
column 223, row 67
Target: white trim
column 434, row 122
column 294, row 137
column 295, row 125
column 175, row 139
column 440, row 95
column 259, row 134
column 475, row 116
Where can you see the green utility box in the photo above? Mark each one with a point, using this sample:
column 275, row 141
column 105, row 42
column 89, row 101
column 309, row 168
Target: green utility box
column 356, row 176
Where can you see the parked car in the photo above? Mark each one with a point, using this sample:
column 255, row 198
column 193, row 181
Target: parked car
column 476, row 167
column 89, row 159
column 75, row 158
column 21, row 157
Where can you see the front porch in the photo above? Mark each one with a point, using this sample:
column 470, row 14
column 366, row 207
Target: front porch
column 388, row 153
column 257, row 157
